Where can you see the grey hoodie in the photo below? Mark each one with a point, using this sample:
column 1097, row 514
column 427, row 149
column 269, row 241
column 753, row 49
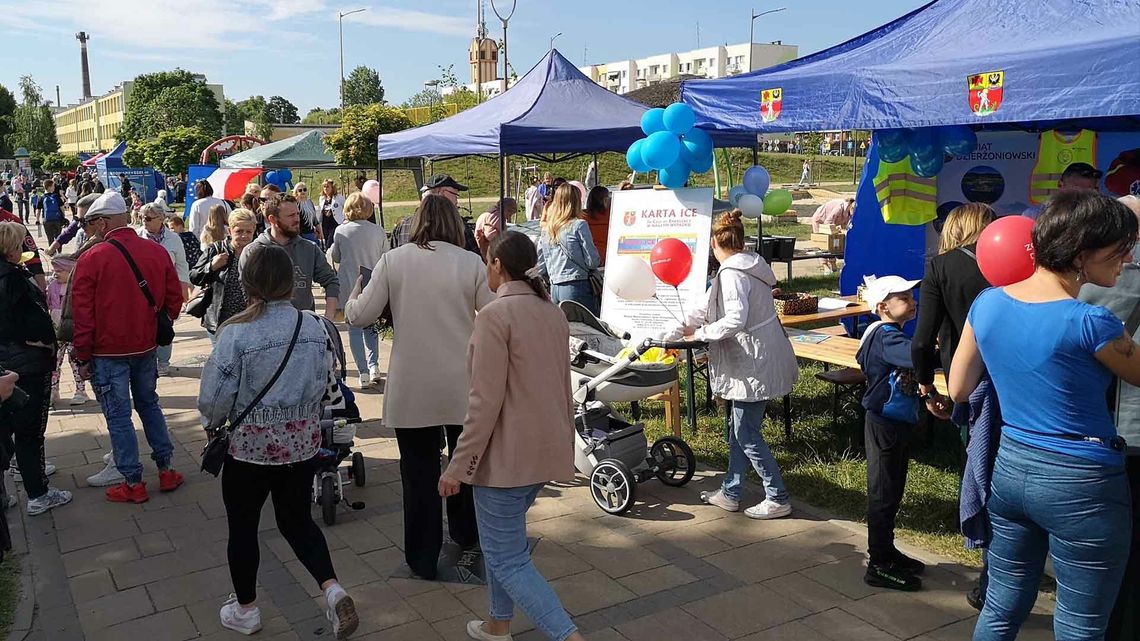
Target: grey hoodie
column 309, row 265
column 1121, row 299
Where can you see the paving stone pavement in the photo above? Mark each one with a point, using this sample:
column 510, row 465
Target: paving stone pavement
column 672, row 568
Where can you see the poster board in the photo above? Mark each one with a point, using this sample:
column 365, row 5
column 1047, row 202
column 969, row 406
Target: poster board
column 639, row 218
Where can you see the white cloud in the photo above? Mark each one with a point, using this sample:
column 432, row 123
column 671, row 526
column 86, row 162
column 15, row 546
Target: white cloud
column 411, row 20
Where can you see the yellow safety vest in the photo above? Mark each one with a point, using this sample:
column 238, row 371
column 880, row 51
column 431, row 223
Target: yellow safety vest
column 1056, row 152
column 905, row 198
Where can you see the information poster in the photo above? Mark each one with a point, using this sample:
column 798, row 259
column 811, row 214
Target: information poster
column 639, row 218
column 996, row 173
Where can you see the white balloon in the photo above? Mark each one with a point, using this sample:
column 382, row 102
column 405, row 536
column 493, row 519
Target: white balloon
column 631, row 278
column 750, row 205
column 735, row 193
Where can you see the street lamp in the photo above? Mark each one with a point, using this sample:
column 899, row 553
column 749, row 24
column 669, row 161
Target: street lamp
column 430, row 86
column 751, row 27
column 504, row 20
column 340, row 20
column 552, row 40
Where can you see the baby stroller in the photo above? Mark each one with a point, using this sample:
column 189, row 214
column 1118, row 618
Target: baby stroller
column 338, row 430
column 611, row 450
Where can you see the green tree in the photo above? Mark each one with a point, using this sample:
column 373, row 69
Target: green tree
column 168, row 99
column 354, row 143
column 362, row 87
column 234, row 118
column 32, row 124
column 7, row 111
column 812, row 141
column 256, row 110
column 59, row 162
column 319, row 116
column 280, row 110
column 423, row 98
column 171, row 152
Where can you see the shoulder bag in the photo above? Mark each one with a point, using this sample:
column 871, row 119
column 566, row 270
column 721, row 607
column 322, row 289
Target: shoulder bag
column 214, row 454
column 200, row 304
column 597, row 282
column 165, row 332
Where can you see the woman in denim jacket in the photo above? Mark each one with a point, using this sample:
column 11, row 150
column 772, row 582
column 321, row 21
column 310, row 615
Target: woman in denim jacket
column 566, row 251
column 272, row 450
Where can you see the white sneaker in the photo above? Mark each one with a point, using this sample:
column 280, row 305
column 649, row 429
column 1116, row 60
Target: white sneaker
column 52, row 498
column 164, row 370
column 239, row 619
column 341, row 611
column 79, row 399
column 108, row 476
column 718, row 499
column 108, row 457
column 475, row 631
column 364, row 382
column 49, row 469
column 768, row 509
column 375, row 375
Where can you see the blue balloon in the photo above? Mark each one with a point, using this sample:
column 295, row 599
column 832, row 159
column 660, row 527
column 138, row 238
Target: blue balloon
column 634, row 159
column 927, row 168
column 271, row 178
column 701, row 165
column 697, row 144
column 285, row 175
column 958, row 140
column 892, row 138
column 891, row 153
column 674, row 176
column 679, row 118
column 652, row 121
column 661, row 149
column 923, row 144
column 756, row 180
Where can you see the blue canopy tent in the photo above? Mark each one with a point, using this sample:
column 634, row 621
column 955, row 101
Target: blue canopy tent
column 145, row 180
column 1045, row 65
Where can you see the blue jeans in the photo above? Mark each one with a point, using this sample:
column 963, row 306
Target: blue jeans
column 578, row 291
column 511, row 575
column 363, row 343
column 746, row 446
column 116, row 381
column 1072, row 508
column 162, row 353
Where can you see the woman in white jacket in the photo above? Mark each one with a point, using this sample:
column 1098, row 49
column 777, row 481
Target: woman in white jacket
column 750, row 362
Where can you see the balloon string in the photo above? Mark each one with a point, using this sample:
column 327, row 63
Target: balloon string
column 680, row 303
column 679, row 320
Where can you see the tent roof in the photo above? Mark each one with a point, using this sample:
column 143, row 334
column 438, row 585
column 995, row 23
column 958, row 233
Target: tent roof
column 1063, row 60
column 554, row 108
column 300, row 151
column 661, row 94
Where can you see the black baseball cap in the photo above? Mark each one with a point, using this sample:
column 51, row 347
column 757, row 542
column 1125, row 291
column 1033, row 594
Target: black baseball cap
column 1082, row 169
column 443, row 180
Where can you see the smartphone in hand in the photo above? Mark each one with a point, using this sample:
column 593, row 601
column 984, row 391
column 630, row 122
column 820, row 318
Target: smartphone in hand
column 365, row 275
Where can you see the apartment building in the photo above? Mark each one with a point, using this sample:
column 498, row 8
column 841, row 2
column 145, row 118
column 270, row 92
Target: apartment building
column 707, row 62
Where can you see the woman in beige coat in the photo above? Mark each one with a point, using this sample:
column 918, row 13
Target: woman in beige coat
column 518, row 435
column 434, row 288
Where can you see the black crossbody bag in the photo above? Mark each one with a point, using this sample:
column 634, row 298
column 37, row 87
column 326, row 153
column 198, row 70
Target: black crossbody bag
column 165, row 333
column 214, row 454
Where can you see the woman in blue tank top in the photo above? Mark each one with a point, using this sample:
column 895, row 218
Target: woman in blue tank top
column 1059, row 484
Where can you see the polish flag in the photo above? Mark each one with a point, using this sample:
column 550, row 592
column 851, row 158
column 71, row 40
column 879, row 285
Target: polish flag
column 229, row 184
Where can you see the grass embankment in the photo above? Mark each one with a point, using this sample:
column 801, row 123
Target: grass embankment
column 9, row 592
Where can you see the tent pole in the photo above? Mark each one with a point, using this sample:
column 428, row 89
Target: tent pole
column 380, row 179
column 502, row 189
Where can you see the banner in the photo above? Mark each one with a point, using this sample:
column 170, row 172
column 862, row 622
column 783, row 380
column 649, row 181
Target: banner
column 996, row 173
column 639, row 218
column 143, row 181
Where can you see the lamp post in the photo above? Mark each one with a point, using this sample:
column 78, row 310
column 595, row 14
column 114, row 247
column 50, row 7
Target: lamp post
column 504, row 21
column 430, row 86
column 340, row 22
column 751, row 30
column 552, row 38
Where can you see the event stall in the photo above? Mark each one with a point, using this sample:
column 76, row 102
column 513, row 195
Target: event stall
column 144, row 180
column 990, row 66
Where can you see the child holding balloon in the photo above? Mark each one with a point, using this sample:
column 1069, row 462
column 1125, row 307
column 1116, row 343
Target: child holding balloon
column 750, row 362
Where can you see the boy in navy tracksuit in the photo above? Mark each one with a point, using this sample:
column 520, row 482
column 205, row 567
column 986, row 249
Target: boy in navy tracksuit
column 885, row 350
column 52, row 205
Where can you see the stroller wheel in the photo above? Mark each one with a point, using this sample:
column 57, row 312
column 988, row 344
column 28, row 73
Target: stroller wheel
column 673, row 460
column 328, row 499
column 613, row 486
column 357, row 469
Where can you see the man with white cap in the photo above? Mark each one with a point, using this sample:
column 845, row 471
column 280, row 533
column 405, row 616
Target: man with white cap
column 115, row 338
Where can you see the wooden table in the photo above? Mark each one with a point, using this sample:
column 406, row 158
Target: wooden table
column 854, row 311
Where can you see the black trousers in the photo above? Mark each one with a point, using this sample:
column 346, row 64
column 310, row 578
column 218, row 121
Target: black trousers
column 1124, row 624
column 52, row 229
column 23, row 433
column 888, row 454
column 245, row 486
column 423, row 509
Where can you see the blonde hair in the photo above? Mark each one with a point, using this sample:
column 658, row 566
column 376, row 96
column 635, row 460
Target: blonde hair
column 11, row 237
column 175, row 223
column 358, row 207
column 437, row 219
column 300, row 185
column 728, row 231
column 242, row 215
column 963, row 226
column 564, row 208
column 215, row 228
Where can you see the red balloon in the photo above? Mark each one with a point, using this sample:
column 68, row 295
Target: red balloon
column 672, row 261
column 1005, row 250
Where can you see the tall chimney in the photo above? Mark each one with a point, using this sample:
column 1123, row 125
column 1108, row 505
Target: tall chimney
column 82, row 37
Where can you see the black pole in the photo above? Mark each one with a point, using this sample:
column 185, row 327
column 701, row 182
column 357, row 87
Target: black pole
column 380, row 179
column 502, row 189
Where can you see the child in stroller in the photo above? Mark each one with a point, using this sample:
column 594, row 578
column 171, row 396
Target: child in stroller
column 338, row 430
column 611, row 450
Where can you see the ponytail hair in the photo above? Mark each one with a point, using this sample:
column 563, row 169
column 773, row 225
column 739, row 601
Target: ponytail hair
column 729, row 231
column 518, row 257
column 267, row 276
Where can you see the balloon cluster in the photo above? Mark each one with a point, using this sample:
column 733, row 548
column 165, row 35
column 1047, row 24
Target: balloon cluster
column 754, row 198
column 672, row 146
column 371, row 190
column 632, row 278
column 279, row 177
column 926, row 147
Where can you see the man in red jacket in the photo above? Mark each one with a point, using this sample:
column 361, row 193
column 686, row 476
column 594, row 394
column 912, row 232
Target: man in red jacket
column 114, row 342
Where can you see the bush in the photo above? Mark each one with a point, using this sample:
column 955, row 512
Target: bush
column 354, row 143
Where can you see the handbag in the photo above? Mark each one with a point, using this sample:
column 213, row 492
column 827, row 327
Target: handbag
column 597, row 281
column 200, row 304
column 164, row 335
column 214, row 454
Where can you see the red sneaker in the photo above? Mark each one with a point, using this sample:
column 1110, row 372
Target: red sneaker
column 168, row 480
column 127, row 493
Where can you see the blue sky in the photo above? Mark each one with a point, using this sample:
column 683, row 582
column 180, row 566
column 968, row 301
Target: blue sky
column 289, row 47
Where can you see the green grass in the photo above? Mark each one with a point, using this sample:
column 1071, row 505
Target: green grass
column 9, row 592
column 800, row 232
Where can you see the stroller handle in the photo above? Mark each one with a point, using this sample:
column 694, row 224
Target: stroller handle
column 650, row 343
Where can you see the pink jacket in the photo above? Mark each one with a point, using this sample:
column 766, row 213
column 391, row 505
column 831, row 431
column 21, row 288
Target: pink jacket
column 519, row 428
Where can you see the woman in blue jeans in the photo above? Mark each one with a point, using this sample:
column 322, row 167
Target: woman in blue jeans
column 518, row 435
column 1059, row 485
column 566, row 251
column 750, row 362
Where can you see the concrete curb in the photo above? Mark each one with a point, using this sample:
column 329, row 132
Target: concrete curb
column 26, row 606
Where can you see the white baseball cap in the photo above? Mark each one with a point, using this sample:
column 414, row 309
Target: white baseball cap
column 109, row 204
column 883, row 286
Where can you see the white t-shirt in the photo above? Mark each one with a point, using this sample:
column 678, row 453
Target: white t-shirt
column 533, row 199
column 200, row 212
